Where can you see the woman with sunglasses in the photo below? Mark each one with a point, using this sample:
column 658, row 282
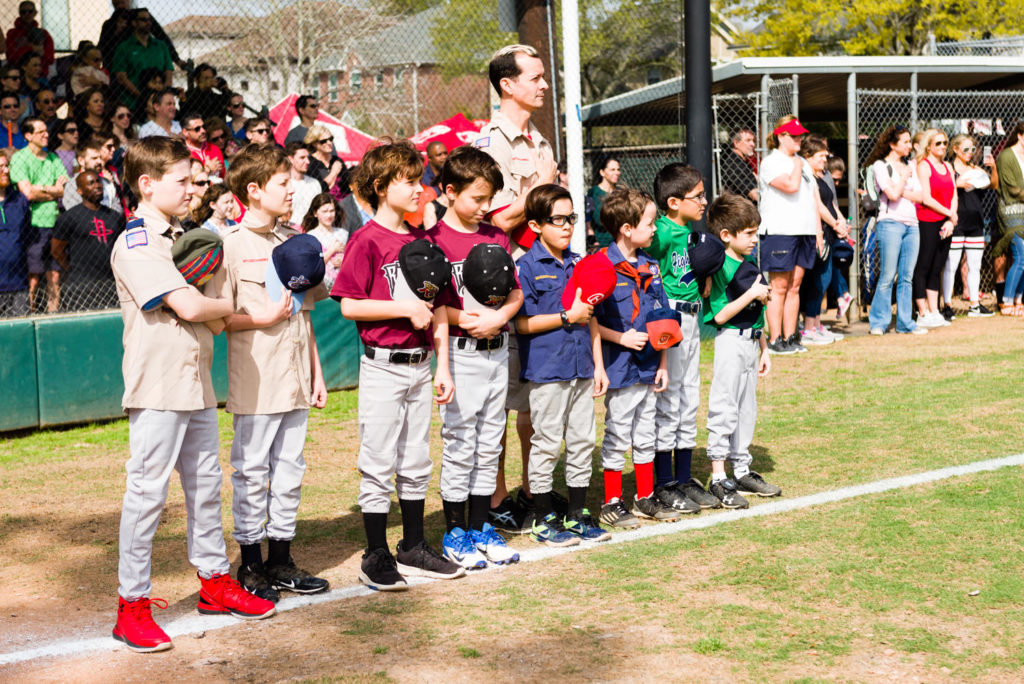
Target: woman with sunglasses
column 969, row 234
column 936, row 219
column 121, row 126
column 66, row 131
column 324, row 164
column 237, row 117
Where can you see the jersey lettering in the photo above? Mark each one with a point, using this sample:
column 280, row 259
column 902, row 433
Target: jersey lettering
column 681, row 264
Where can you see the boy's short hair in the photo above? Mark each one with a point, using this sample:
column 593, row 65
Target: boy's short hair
column 254, row 164
column 541, row 201
column 385, row 163
column 503, row 63
column 294, row 146
column 623, row 206
column 153, row 157
column 674, row 180
column 733, row 214
column 836, row 164
column 465, row 164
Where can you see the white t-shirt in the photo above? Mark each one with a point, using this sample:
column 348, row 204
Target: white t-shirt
column 327, row 240
column 306, row 189
column 903, row 210
column 787, row 213
column 151, row 129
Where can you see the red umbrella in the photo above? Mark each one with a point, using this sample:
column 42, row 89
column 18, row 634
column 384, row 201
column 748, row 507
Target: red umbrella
column 453, row 132
column 349, row 143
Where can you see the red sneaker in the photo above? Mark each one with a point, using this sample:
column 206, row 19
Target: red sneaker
column 136, row 628
column 221, row 594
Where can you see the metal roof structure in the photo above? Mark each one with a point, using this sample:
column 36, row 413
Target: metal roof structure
column 822, row 83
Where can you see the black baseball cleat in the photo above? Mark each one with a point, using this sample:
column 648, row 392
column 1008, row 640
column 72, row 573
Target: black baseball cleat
column 559, row 504
column 509, row 516
column 288, row 576
column 694, row 491
column 379, row 571
column 753, row 483
column 423, row 561
column 255, row 581
column 725, row 491
column 670, row 496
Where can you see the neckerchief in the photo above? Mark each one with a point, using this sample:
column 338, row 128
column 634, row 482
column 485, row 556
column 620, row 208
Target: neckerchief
column 642, row 277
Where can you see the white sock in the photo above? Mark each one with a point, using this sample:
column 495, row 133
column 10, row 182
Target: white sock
column 717, row 477
column 740, row 472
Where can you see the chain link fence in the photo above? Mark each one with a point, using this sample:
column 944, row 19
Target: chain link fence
column 986, row 115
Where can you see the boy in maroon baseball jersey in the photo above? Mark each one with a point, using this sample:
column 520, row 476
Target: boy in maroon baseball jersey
column 394, row 374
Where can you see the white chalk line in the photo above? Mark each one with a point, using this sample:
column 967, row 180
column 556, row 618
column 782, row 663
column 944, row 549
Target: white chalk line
column 193, row 624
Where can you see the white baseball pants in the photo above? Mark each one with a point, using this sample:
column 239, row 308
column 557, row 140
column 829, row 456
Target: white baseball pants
column 677, row 405
column 628, row 421
column 732, row 403
column 561, row 410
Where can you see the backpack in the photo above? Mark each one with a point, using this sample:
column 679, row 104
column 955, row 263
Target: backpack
column 870, row 201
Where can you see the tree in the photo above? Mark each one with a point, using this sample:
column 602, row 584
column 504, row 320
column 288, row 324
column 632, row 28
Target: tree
column 882, row 27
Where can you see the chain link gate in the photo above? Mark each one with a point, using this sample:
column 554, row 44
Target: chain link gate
column 987, row 115
column 731, row 113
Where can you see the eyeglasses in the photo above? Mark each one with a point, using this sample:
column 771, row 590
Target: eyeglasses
column 217, row 137
column 260, row 131
column 561, row 219
column 325, row 140
column 201, row 184
column 236, row 105
column 198, row 128
column 702, row 197
column 123, row 115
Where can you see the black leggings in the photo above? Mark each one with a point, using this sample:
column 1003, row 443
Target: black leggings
column 931, row 258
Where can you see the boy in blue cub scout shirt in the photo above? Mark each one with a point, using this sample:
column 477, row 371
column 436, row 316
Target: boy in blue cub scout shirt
column 561, row 359
column 636, row 371
column 736, row 307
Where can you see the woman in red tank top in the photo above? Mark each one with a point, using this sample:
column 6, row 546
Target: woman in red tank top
column 936, row 216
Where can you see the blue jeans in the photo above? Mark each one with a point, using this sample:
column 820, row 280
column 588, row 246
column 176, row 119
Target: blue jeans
column 897, row 251
column 815, row 282
column 1014, row 287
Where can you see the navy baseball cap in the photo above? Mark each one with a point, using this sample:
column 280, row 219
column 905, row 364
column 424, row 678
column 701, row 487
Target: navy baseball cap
column 663, row 330
column 489, row 274
column 707, row 254
column 297, row 264
column 425, row 267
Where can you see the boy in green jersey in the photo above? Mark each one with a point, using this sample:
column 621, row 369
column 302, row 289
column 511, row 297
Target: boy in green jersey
column 679, row 193
column 736, row 307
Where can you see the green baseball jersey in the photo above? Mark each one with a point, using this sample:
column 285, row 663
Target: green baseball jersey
column 728, row 284
column 669, row 247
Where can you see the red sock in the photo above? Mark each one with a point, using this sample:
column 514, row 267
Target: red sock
column 644, row 479
column 612, row 485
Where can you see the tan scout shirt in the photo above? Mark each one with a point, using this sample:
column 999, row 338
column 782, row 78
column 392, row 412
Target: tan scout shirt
column 167, row 360
column 517, row 154
column 270, row 370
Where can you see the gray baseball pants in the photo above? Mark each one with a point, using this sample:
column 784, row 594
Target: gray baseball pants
column 677, row 405
column 561, row 410
column 732, row 404
column 162, row 441
column 395, row 403
column 267, row 450
column 628, row 421
column 473, row 424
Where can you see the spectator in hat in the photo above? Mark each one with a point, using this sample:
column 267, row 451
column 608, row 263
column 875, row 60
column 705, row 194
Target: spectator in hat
column 307, row 107
column 83, row 239
column 27, row 37
column 737, row 167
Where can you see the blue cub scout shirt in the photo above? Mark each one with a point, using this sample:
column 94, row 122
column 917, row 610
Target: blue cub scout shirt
column 626, row 367
column 555, row 355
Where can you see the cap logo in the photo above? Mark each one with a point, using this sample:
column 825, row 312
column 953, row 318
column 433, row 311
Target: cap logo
column 298, row 281
column 595, row 298
column 494, row 300
column 429, row 290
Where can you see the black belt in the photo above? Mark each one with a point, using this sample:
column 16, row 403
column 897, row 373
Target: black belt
column 475, row 344
column 408, row 358
column 686, row 307
column 752, row 333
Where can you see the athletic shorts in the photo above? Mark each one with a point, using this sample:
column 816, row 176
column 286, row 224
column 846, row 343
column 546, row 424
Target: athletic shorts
column 783, row 253
column 37, row 251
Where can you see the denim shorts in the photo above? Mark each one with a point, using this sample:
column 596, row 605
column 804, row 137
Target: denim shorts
column 783, row 253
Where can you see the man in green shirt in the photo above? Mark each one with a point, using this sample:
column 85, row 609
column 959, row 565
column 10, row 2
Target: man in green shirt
column 140, row 51
column 40, row 176
column 679, row 193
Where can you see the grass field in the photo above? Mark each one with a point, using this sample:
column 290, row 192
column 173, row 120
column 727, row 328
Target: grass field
column 922, row 584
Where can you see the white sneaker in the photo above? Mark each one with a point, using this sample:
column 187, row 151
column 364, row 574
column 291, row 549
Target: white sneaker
column 828, row 331
column 931, row 319
column 877, row 331
column 813, row 337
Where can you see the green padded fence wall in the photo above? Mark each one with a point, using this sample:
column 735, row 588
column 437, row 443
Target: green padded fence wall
column 67, row 369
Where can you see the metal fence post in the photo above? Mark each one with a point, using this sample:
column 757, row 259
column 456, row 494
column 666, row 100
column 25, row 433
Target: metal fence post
column 765, row 80
column 914, row 117
column 852, row 166
column 796, row 95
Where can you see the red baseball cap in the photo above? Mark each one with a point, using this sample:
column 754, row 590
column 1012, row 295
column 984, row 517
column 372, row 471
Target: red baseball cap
column 595, row 276
column 792, row 127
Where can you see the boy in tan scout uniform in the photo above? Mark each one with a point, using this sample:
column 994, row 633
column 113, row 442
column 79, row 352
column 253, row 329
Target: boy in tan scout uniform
column 274, row 376
column 169, row 398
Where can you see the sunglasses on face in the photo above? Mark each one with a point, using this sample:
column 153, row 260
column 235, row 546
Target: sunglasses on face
column 561, row 220
column 13, row 77
column 217, row 137
column 196, row 129
column 201, row 184
column 10, row 106
column 236, row 105
column 123, row 115
column 940, row 143
column 261, row 131
column 70, row 130
column 968, row 149
column 325, row 140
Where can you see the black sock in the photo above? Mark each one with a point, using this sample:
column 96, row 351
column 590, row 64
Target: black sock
column 662, row 468
column 542, row 505
column 252, row 554
column 278, row 552
column 577, row 500
column 479, row 506
column 999, row 292
column 376, row 526
column 454, row 514
column 683, row 458
column 412, row 522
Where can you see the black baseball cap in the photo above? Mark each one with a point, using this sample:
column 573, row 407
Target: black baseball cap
column 297, row 264
column 489, row 274
column 707, row 254
column 425, row 267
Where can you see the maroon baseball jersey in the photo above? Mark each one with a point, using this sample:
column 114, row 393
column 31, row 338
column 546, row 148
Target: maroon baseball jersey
column 456, row 245
column 370, row 270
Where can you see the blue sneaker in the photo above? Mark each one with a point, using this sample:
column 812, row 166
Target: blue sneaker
column 493, row 546
column 586, row 527
column 551, row 532
column 458, row 547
